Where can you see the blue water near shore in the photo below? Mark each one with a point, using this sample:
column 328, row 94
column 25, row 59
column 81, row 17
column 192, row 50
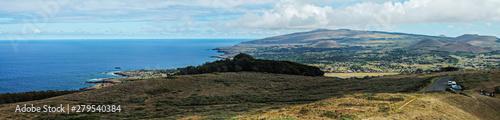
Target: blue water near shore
column 34, row 65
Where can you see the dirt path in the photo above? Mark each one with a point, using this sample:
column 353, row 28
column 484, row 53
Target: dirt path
column 407, row 103
column 439, row 85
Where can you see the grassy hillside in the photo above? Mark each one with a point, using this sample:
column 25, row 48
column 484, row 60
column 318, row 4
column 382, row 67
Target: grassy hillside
column 254, row 95
column 214, row 95
column 437, row 105
column 391, row 106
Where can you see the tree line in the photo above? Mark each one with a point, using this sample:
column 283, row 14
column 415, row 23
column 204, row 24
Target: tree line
column 245, row 62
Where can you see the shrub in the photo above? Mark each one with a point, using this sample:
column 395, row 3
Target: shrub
column 449, row 68
column 245, row 62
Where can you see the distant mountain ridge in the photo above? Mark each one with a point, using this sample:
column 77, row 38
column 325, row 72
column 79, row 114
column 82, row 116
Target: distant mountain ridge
column 474, row 37
column 478, row 40
column 346, row 37
column 460, row 43
column 326, row 34
column 432, row 44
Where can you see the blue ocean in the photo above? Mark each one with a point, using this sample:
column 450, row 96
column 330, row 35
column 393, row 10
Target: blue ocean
column 35, row 65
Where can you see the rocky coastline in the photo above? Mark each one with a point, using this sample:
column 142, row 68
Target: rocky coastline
column 128, row 76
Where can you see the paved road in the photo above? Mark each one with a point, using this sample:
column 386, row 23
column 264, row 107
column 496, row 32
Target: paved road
column 439, row 85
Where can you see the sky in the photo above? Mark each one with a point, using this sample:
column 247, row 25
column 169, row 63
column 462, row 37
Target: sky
column 239, row 19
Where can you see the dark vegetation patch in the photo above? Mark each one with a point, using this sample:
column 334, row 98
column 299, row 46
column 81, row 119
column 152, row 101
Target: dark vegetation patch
column 171, row 77
column 34, row 95
column 245, row 62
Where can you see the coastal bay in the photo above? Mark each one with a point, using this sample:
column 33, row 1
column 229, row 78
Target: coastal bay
column 36, row 65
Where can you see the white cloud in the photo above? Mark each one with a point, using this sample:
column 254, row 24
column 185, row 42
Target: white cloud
column 289, row 14
column 37, row 31
column 118, row 6
column 183, row 24
column 121, row 10
column 137, row 10
column 286, row 14
column 488, row 24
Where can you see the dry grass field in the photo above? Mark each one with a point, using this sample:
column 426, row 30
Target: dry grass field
column 249, row 95
column 391, row 106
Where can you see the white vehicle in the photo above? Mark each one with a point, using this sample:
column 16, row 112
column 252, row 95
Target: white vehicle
column 452, row 83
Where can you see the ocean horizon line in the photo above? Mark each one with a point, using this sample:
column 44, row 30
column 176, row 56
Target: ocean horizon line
column 141, row 39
